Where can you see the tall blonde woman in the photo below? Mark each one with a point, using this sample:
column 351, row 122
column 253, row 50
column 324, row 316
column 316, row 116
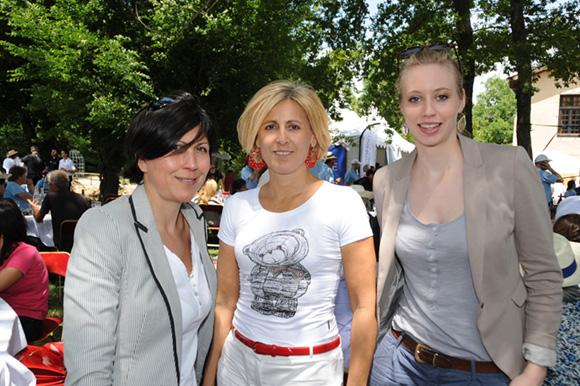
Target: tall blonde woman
column 457, row 219
column 282, row 248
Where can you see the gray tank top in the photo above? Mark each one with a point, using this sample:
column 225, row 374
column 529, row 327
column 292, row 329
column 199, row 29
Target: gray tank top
column 439, row 306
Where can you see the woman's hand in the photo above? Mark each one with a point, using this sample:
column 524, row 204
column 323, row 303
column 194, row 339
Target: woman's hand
column 533, row 375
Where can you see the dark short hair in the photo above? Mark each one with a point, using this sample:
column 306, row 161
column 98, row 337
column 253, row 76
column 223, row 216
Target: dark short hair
column 17, row 172
column 237, row 185
column 157, row 128
column 12, row 227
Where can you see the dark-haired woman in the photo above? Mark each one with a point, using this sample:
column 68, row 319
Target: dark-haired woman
column 23, row 276
column 14, row 189
column 140, row 288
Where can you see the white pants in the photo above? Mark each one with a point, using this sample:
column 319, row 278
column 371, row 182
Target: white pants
column 239, row 365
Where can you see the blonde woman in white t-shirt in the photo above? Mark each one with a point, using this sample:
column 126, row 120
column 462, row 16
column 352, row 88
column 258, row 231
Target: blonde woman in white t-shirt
column 282, row 248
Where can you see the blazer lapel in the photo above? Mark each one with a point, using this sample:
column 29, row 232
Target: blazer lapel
column 475, row 196
column 154, row 248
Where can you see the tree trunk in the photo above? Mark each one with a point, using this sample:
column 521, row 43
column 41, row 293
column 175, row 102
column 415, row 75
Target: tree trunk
column 465, row 44
column 523, row 65
column 109, row 170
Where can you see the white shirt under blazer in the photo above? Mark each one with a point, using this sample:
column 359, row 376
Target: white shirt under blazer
column 117, row 326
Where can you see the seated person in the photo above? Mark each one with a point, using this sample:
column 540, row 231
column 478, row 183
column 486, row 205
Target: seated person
column 14, row 189
column 3, row 178
column 239, row 185
column 23, row 276
column 571, row 190
column 207, row 194
column 63, row 204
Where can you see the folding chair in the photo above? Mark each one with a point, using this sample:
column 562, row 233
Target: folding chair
column 56, row 263
column 66, row 236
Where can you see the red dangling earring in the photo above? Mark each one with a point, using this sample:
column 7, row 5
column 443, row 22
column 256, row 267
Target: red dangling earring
column 310, row 162
column 256, row 161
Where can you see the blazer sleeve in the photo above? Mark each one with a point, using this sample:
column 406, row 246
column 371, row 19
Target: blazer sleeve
column 534, row 242
column 91, row 301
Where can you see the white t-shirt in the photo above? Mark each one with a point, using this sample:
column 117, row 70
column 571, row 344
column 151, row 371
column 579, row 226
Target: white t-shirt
column 195, row 300
column 290, row 263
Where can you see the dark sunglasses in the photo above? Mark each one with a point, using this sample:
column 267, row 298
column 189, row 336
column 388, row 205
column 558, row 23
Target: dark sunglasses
column 406, row 53
column 160, row 103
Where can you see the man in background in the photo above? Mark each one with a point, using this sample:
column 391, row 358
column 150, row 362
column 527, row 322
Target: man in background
column 34, row 165
column 54, row 160
column 67, row 165
column 352, row 175
column 62, row 205
column 548, row 175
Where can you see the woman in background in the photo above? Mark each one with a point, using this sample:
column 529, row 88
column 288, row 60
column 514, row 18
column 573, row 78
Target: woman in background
column 457, row 219
column 282, row 248
column 23, row 276
column 207, row 194
column 140, row 286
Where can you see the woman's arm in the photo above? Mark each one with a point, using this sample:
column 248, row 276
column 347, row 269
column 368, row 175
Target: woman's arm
column 228, row 292
column 91, row 299
column 360, row 275
column 9, row 276
column 543, row 278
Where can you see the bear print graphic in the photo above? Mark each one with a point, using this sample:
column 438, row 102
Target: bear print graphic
column 278, row 279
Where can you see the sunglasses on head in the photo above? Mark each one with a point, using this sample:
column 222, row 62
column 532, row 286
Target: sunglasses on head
column 160, row 103
column 408, row 52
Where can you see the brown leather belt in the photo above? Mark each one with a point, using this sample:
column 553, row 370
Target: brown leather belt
column 425, row 355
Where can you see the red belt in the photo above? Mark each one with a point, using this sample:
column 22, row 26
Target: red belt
column 273, row 350
column 425, row 355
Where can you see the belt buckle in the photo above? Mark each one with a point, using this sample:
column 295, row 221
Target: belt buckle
column 438, row 360
column 421, row 347
column 264, row 349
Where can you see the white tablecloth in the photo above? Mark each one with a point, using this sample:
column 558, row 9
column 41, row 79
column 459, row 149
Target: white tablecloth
column 12, row 341
column 42, row 230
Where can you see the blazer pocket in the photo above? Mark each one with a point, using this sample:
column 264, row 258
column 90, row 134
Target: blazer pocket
column 520, row 294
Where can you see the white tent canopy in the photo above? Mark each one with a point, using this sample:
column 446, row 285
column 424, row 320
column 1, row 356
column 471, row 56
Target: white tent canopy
column 370, row 136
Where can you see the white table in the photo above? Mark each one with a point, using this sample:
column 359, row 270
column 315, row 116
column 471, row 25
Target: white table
column 42, row 230
column 12, row 341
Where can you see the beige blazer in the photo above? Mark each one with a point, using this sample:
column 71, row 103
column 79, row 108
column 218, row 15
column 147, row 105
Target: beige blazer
column 122, row 313
column 507, row 224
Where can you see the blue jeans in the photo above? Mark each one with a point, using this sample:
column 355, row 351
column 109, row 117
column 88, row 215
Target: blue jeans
column 395, row 364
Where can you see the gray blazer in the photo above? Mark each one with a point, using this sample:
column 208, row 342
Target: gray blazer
column 507, row 225
column 117, row 325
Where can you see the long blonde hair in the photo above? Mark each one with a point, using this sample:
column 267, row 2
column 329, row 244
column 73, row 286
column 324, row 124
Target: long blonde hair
column 207, row 191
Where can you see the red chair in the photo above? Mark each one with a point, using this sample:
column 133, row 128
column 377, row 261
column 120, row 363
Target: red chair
column 49, row 326
column 56, row 263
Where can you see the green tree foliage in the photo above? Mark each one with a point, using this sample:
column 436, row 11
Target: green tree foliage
column 82, row 69
column 494, row 113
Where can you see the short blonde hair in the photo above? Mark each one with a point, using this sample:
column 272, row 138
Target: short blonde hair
column 269, row 96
